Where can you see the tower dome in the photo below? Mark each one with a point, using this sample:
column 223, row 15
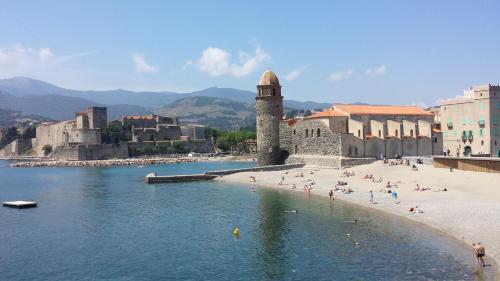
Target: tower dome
column 268, row 78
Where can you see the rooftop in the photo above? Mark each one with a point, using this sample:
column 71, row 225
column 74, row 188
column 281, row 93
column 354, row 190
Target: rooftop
column 380, row 109
column 268, row 78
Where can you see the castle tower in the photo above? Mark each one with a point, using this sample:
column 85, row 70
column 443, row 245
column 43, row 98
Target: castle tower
column 269, row 105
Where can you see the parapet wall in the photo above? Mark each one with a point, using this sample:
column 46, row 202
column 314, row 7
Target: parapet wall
column 475, row 164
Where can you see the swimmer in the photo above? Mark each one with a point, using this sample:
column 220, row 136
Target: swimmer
column 292, row 211
column 353, row 221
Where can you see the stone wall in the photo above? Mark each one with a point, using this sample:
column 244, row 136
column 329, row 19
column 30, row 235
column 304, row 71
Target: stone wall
column 98, row 117
column 91, row 152
column 374, row 147
column 268, row 139
column 409, row 146
column 16, row 147
column 352, row 146
column 310, row 136
column 84, row 136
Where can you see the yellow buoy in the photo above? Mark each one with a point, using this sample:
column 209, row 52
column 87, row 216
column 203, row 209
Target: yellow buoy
column 236, row 231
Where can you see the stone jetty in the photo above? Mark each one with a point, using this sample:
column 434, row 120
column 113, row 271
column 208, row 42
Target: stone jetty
column 108, row 163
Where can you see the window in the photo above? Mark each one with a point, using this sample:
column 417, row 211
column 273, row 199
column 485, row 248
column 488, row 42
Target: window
column 435, row 140
column 312, row 133
column 396, row 133
column 495, row 120
column 318, row 133
column 356, row 150
column 359, row 133
column 294, row 132
column 307, row 133
column 379, row 133
column 274, row 92
column 482, row 142
column 481, row 132
column 481, row 121
column 296, row 149
column 495, row 131
column 411, row 133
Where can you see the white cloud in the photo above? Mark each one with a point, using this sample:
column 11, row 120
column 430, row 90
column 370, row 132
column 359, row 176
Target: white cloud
column 141, row 66
column 294, row 74
column 217, row 62
column 340, row 75
column 378, row 71
column 18, row 55
column 45, row 54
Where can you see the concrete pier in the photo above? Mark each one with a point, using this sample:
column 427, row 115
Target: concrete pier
column 153, row 178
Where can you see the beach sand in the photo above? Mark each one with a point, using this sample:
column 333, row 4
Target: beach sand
column 468, row 211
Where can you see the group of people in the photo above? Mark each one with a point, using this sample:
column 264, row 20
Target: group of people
column 346, row 173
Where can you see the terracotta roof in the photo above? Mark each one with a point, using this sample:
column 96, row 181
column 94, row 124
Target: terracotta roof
column 290, row 121
column 327, row 113
column 268, row 78
column 382, row 109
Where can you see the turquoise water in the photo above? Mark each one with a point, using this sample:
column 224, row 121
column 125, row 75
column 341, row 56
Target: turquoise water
column 107, row 224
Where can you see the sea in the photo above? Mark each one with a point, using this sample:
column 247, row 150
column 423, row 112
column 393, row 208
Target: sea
column 107, row 224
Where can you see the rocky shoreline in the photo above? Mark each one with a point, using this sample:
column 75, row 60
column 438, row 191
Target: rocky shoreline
column 46, row 163
column 105, row 163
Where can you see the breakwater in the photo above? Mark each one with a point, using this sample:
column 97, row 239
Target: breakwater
column 153, row 178
column 108, row 163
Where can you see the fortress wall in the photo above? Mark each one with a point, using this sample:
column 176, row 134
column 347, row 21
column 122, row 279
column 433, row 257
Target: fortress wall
column 85, row 136
column 91, row 152
column 54, row 134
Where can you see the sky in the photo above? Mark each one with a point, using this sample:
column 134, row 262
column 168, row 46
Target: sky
column 380, row 52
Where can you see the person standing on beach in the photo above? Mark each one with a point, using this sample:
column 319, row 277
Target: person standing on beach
column 394, row 195
column 480, row 251
column 371, row 196
column 331, row 195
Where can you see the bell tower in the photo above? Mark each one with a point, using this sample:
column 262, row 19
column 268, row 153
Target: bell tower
column 269, row 106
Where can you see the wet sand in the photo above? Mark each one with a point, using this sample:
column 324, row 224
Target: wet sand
column 468, row 211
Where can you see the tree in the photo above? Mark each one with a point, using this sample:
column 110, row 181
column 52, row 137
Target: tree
column 47, row 149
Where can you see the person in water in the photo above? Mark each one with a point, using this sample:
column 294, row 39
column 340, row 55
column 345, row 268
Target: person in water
column 371, row 196
column 479, row 251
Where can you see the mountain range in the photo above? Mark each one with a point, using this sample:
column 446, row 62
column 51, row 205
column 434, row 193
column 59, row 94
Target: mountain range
column 210, row 105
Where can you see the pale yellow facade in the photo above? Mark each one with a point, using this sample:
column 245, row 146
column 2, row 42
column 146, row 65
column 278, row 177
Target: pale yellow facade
column 470, row 124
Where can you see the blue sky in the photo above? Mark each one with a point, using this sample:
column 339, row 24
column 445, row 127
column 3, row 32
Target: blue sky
column 385, row 52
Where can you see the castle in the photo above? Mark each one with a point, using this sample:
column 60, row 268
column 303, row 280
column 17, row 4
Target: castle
column 344, row 134
column 82, row 137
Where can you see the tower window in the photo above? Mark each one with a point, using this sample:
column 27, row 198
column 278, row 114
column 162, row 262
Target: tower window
column 307, row 133
column 312, row 133
column 318, row 133
column 396, row 133
column 359, row 133
column 411, row 133
column 274, row 92
column 293, row 132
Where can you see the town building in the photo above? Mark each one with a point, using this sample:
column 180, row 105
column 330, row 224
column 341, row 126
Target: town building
column 340, row 134
column 470, row 123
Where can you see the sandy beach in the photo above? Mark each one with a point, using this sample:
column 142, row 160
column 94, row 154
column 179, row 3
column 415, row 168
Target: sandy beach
column 469, row 209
